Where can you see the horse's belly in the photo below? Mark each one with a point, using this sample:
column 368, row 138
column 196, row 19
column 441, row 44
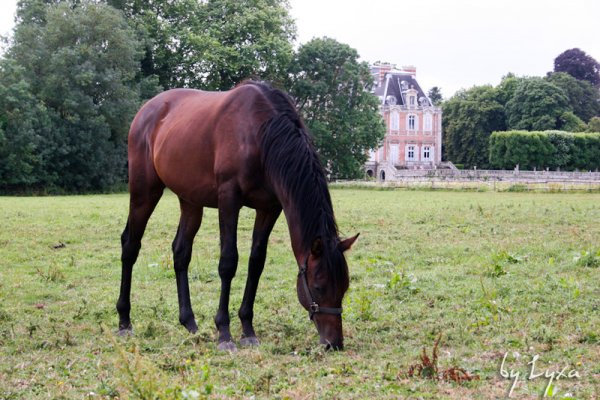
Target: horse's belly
column 190, row 177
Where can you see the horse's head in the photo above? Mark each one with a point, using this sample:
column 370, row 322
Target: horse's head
column 322, row 282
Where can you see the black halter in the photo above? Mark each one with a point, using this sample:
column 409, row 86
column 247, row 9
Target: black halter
column 313, row 307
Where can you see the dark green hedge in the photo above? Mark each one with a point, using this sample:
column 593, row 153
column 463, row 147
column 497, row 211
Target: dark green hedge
column 548, row 149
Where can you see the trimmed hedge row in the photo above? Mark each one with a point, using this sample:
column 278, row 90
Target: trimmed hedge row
column 547, row 149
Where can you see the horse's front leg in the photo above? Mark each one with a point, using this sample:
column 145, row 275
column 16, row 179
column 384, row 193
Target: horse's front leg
column 263, row 225
column 229, row 209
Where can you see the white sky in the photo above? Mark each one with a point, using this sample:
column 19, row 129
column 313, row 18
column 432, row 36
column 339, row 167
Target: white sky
column 453, row 43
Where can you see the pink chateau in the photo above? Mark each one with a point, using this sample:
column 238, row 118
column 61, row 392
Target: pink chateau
column 413, row 138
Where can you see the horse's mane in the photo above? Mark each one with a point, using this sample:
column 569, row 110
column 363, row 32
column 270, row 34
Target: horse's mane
column 292, row 164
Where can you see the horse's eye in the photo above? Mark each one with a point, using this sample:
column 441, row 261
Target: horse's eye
column 319, row 289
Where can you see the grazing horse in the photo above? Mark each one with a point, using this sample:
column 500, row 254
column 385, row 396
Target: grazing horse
column 244, row 147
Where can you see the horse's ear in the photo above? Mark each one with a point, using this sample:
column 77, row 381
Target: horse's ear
column 346, row 244
column 317, row 247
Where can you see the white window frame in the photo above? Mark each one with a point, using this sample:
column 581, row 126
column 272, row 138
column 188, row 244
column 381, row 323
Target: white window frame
column 412, row 148
column 394, row 153
column 427, row 153
column 394, row 120
column 428, row 122
column 415, row 123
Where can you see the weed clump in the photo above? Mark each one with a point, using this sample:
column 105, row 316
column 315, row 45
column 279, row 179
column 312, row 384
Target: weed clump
column 590, row 259
column 428, row 368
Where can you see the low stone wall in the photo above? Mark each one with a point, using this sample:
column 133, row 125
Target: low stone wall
column 496, row 175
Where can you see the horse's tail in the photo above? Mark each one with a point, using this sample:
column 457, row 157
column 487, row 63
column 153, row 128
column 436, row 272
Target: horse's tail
column 146, row 122
column 140, row 143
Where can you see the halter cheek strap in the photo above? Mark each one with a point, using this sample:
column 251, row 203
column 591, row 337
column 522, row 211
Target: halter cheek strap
column 313, row 307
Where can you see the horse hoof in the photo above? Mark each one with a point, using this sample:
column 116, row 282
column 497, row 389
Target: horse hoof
column 191, row 326
column 250, row 341
column 227, row 346
column 125, row 331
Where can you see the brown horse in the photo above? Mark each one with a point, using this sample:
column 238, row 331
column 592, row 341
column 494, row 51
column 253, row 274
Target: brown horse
column 245, row 147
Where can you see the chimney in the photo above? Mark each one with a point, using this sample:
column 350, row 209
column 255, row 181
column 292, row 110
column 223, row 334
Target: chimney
column 411, row 69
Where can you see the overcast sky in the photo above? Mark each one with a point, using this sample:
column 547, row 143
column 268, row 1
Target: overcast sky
column 453, row 43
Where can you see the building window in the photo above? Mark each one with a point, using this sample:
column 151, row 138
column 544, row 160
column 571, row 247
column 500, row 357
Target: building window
column 428, row 122
column 394, row 153
column 412, row 123
column 410, row 152
column 395, row 121
column 426, row 153
column 412, row 100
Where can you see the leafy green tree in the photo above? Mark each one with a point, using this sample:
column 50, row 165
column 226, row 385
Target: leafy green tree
column 332, row 90
column 536, row 105
column 435, row 95
column 213, row 44
column 506, row 88
column 579, row 65
column 594, row 125
column 79, row 60
column 23, row 120
column 584, row 99
column 470, row 116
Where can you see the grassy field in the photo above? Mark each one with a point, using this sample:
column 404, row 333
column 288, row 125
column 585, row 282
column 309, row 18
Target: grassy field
column 501, row 276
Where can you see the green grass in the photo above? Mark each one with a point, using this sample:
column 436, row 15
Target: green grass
column 495, row 273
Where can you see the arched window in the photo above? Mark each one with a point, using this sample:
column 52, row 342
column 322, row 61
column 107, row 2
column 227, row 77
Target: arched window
column 395, row 121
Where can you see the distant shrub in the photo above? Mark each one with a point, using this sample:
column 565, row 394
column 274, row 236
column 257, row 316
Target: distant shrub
column 547, row 149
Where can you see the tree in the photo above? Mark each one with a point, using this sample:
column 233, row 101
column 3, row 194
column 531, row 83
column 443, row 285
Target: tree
column 213, row 44
column 594, row 125
column 579, row 65
column 23, row 122
column 332, row 90
column 435, row 95
column 537, row 105
column 470, row 117
column 507, row 87
column 584, row 99
column 79, row 61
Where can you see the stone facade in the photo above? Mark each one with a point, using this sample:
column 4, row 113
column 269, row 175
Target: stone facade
column 413, row 138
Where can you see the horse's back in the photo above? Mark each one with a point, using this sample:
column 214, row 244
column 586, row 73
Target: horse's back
column 197, row 140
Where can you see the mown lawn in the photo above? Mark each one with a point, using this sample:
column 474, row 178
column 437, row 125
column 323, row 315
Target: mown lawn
column 499, row 275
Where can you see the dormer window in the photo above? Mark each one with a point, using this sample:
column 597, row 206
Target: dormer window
column 412, row 101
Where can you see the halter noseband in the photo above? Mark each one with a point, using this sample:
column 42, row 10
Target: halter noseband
column 313, row 307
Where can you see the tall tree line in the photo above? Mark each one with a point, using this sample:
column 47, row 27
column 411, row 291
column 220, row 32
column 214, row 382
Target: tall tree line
column 75, row 72
column 567, row 99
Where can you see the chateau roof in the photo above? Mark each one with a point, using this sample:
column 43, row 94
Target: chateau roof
column 396, row 84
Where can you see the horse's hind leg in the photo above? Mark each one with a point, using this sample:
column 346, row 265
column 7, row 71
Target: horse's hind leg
column 141, row 205
column 229, row 209
column 263, row 225
column 189, row 223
